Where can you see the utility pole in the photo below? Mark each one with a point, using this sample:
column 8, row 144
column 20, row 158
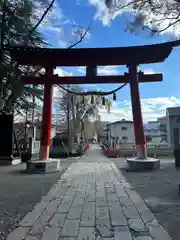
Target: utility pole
column 82, row 121
column 25, row 129
column 69, row 124
column 33, row 119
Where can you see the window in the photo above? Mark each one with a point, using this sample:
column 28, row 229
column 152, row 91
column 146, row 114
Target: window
column 125, row 138
column 178, row 119
column 124, row 128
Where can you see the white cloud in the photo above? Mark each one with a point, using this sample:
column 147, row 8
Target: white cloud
column 62, row 43
column 106, row 70
column 148, row 71
column 115, row 114
column 102, row 11
column 106, row 15
column 153, row 21
column 152, row 108
column 62, row 72
column 113, row 70
column 81, row 70
column 56, row 91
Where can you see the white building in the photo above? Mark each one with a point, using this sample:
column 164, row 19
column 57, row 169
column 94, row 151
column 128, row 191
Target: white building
column 123, row 132
column 173, row 124
column 155, row 131
column 163, row 122
column 120, row 132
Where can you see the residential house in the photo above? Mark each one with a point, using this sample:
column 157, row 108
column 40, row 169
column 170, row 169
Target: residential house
column 155, row 131
column 120, row 132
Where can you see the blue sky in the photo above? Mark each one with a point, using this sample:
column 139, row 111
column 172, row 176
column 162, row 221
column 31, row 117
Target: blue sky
column 67, row 15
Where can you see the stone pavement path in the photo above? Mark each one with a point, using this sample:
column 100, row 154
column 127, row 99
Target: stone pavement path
column 92, row 200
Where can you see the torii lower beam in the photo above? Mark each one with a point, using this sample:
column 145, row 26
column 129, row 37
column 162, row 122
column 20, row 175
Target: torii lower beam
column 132, row 77
column 55, row 79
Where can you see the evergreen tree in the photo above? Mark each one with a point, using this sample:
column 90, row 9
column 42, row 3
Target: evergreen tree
column 17, row 18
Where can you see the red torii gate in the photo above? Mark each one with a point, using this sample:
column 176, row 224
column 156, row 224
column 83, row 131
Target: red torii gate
column 91, row 58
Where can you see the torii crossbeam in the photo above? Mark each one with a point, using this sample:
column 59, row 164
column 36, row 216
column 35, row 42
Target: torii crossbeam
column 91, row 58
column 55, row 79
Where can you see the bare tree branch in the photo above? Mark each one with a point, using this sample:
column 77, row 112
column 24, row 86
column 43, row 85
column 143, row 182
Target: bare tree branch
column 82, row 36
column 168, row 26
column 157, row 16
column 43, row 16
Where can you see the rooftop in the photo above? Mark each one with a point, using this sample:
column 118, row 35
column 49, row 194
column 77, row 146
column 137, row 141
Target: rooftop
column 172, row 111
column 120, row 122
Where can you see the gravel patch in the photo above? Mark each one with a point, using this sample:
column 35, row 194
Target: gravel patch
column 159, row 189
column 20, row 192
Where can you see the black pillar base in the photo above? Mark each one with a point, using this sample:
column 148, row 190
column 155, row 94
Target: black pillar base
column 177, row 157
column 6, row 139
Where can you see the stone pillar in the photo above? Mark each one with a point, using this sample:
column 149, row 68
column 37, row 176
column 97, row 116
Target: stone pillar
column 47, row 118
column 140, row 140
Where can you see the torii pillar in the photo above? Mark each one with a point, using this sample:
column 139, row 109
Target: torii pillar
column 47, row 117
column 44, row 164
column 137, row 114
column 141, row 162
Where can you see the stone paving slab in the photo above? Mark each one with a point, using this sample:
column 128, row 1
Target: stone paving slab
column 92, row 200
